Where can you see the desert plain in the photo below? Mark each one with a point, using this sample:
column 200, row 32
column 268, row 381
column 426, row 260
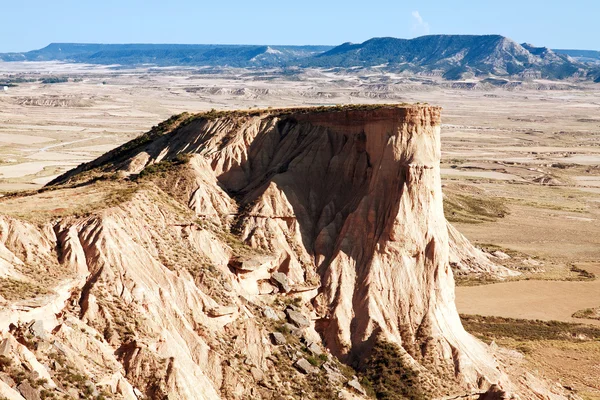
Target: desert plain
column 520, row 167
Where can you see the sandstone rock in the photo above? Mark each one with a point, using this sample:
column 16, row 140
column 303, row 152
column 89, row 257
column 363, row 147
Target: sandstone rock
column 8, row 392
column 297, row 318
column 278, row 338
column 314, row 348
column 281, row 280
column 467, row 259
column 305, row 367
column 356, row 386
column 346, row 198
column 271, row 314
column 532, row 262
column 37, row 329
column 294, row 307
column 265, row 287
column 294, row 330
column 333, row 373
column 27, row 358
column 501, row 255
column 216, row 312
column 91, row 387
column 257, row 374
column 59, row 347
column 7, row 379
column 28, row 392
column 246, row 264
column 5, row 348
column 298, row 289
column 495, row 392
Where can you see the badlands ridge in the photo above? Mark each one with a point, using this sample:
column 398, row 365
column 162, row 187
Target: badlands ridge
column 251, row 254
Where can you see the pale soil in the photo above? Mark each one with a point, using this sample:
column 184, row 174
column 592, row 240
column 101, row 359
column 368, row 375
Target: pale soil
column 496, row 141
column 531, row 299
column 572, row 364
column 499, row 141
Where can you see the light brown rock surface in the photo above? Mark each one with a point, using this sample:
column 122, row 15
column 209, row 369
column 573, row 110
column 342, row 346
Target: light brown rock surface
column 160, row 287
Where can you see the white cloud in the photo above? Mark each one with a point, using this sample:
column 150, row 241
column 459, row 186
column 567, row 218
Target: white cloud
column 420, row 27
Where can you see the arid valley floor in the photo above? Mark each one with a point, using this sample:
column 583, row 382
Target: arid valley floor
column 521, row 176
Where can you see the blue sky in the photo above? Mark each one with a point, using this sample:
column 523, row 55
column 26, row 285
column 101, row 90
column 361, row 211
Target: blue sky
column 32, row 24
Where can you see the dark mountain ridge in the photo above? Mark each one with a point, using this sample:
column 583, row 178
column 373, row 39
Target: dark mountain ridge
column 167, row 54
column 454, row 57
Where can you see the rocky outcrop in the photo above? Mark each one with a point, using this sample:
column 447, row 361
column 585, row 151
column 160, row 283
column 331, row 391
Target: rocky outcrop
column 331, row 219
column 467, row 259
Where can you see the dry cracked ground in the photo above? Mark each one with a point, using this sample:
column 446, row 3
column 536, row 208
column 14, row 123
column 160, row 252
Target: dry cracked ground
column 520, row 168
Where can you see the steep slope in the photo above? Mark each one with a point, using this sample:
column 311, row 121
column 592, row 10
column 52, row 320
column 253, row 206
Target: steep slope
column 194, row 243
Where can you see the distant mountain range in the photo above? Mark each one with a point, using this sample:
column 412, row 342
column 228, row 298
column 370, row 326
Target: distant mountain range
column 457, row 57
column 169, row 54
column 581, row 55
column 454, row 57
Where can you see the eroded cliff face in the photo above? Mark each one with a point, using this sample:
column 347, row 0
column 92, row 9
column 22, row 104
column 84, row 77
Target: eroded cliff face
column 225, row 226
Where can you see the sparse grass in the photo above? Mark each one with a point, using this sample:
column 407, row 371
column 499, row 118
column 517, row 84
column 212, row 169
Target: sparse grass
column 47, row 394
column 477, row 280
column 582, row 274
column 473, row 209
column 12, row 289
column 70, row 377
column 280, row 112
column 492, row 328
column 128, row 324
column 545, row 205
column 44, row 205
column 18, row 373
column 588, row 313
column 320, row 386
column 293, row 301
column 490, row 248
column 282, row 329
column 238, row 247
column 54, row 79
column 161, row 129
column 564, row 352
column 5, row 363
column 164, row 167
column 313, row 361
column 106, row 164
column 388, row 377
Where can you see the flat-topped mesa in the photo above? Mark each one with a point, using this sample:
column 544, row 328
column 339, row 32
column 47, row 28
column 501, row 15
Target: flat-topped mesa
column 201, row 133
column 352, row 194
column 344, row 199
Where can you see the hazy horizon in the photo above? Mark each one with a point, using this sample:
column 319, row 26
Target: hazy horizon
column 272, row 44
column 315, row 23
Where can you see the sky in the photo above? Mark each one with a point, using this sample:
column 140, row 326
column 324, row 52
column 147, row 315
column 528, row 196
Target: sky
column 32, row 24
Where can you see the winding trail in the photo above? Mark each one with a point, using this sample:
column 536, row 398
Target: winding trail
column 43, row 149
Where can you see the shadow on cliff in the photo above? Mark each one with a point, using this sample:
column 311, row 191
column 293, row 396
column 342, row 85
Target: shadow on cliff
column 325, row 175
